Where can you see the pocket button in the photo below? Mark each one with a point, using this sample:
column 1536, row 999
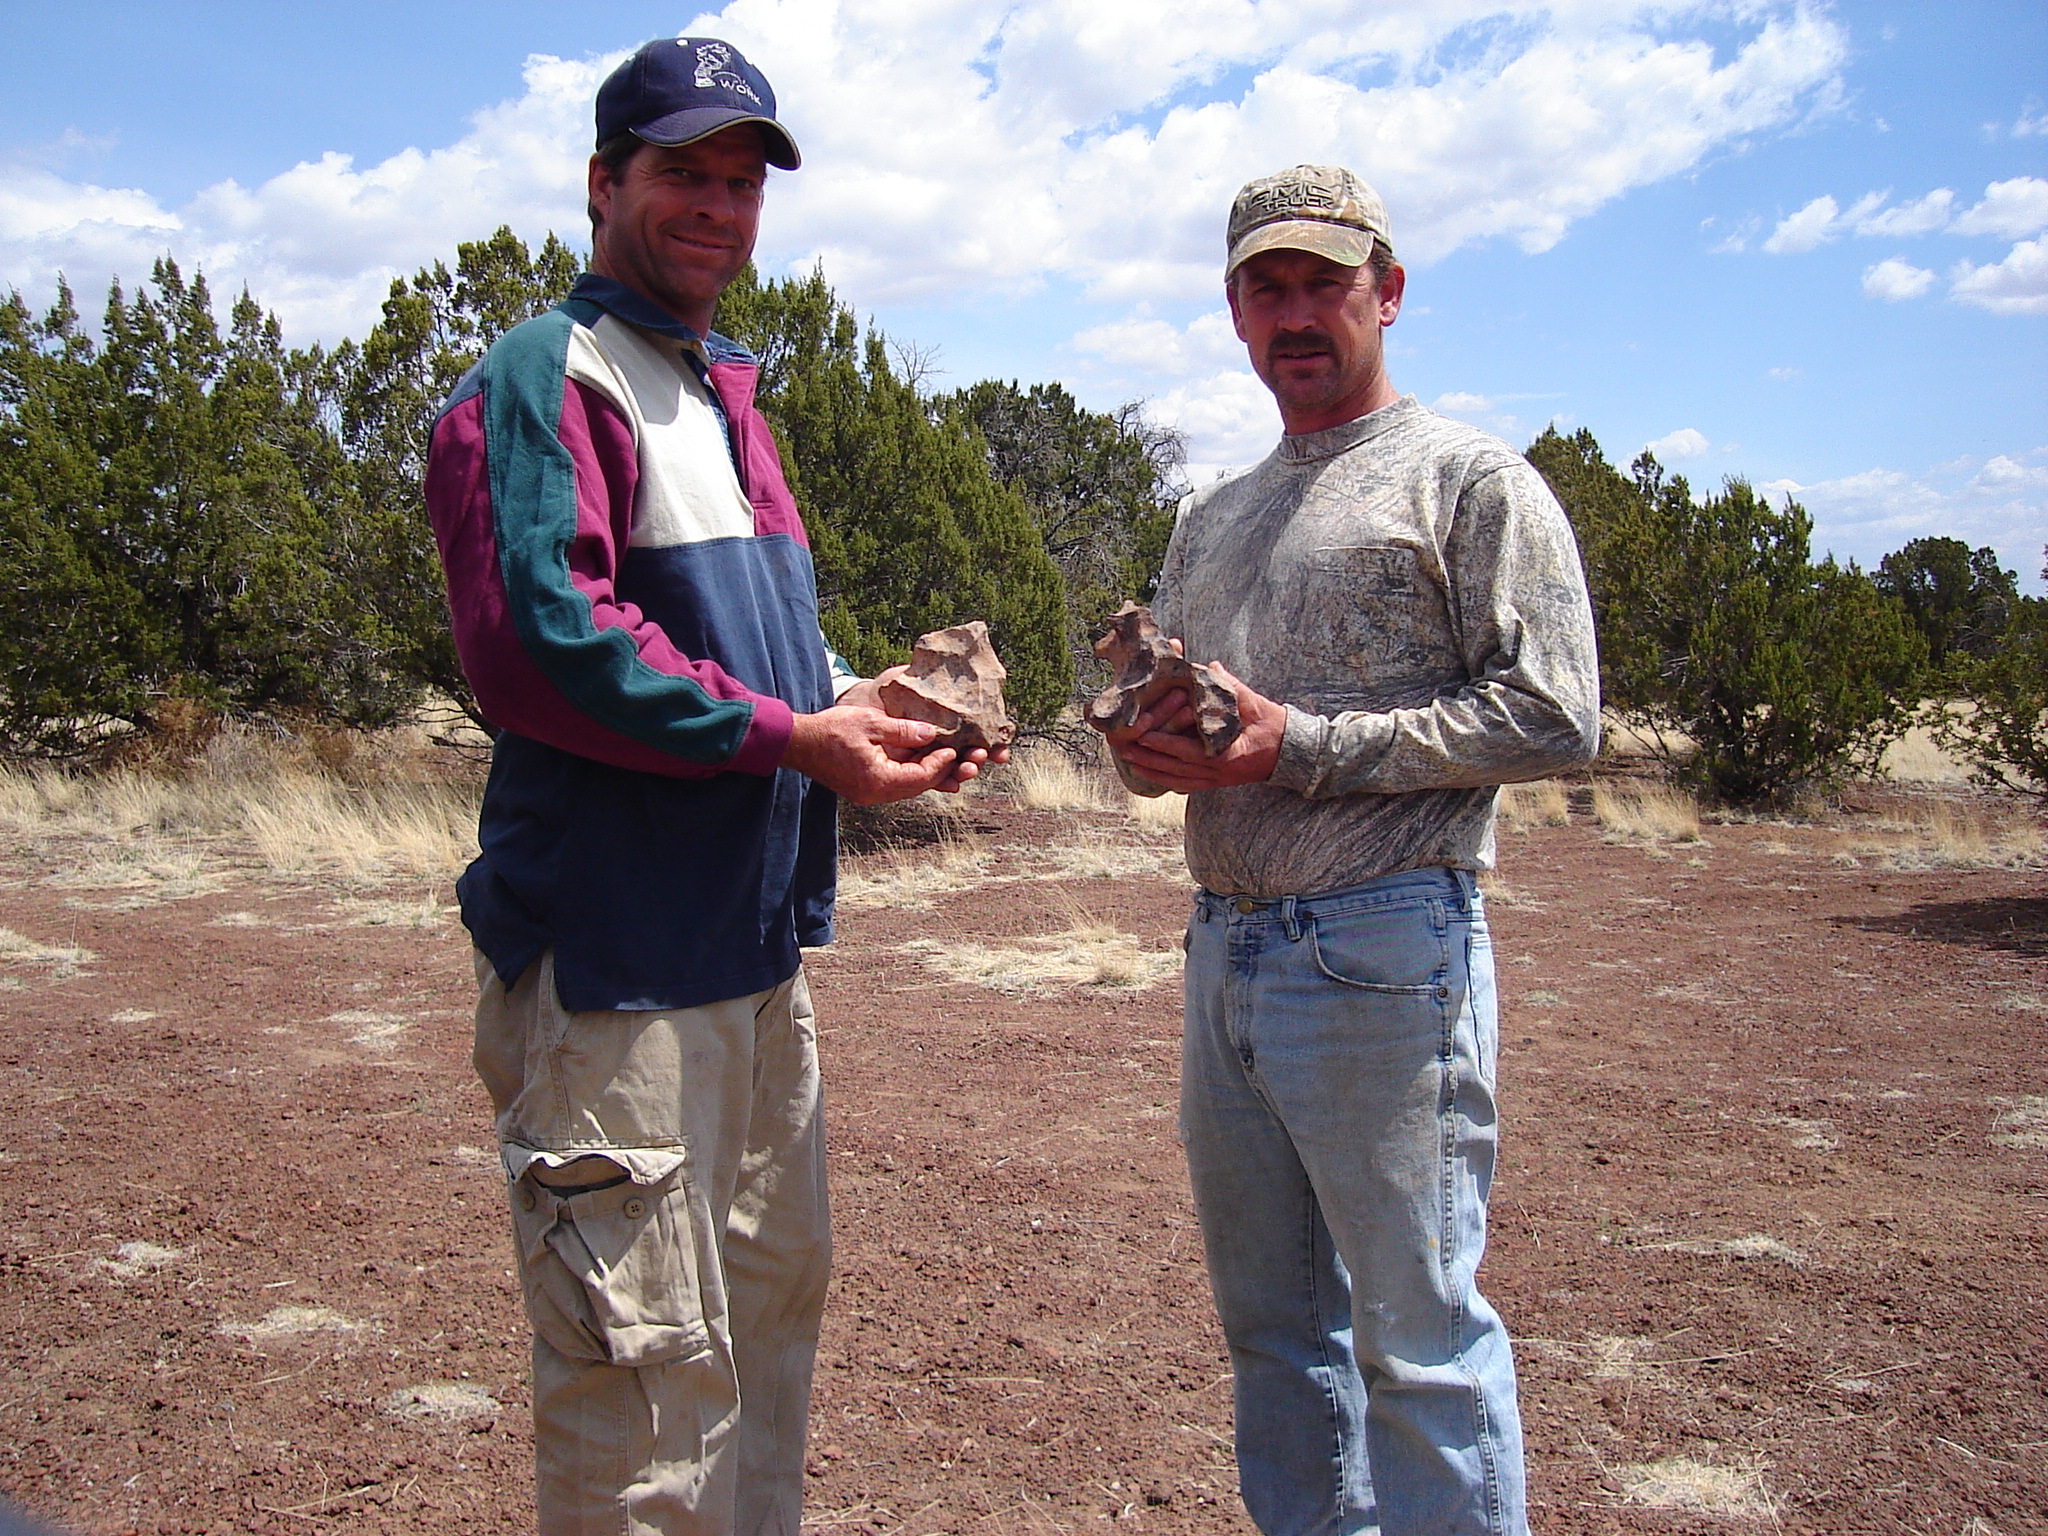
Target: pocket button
column 634, row 1208
column 526, row 1201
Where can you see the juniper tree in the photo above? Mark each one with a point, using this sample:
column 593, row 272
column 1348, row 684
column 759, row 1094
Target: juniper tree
column 169, row 498
column 1959, row 598
column 2002, row 730
column 1716, row 624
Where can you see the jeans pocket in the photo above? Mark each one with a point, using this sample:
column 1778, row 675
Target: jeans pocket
column 611, row 1275
column 1398, row 951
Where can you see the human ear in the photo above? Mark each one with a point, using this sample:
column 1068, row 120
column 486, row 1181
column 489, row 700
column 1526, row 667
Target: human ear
column 1391, row 287
column 1236, row 314
column 598, row 184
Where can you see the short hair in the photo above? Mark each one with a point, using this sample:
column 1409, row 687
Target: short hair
column 614, row 154
column 1381, row 261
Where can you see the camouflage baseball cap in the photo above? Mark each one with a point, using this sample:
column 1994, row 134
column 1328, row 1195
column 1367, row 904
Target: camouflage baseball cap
column 1319, row 208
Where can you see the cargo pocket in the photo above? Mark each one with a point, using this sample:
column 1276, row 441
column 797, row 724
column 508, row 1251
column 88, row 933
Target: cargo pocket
column 611, row 1274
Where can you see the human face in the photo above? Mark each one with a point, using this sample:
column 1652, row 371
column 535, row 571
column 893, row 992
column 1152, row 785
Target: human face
column 678, row 221
column 1313, row 329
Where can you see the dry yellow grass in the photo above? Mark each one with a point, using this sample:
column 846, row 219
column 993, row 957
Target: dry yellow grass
column 1542, row 804
column 1700, row 1487
column 1618, row 738
column 1157, row 814
column 1089, row 953
column 133, row 1260
column 2021, row 1122
column 1498, row 893
column 423, row 911
column 306, row 823
column 1916, row 759
column 1651, row 812
column 449, row 1402
column 1750, row 1246
column 1950, row 837
column 912, row 878
column 282, row 1322
column 63, row 960
column 168, row 835
column 1105, row 859
column 1045, row 778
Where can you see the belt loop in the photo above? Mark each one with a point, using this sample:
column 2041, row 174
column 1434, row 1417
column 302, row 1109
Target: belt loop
column 1468, row 888
column 1289, row 920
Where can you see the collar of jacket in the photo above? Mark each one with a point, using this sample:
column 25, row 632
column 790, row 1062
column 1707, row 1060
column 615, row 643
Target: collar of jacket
column 613, row 296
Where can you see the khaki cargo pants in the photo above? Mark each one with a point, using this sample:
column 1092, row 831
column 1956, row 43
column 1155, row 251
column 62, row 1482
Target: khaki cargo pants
column 667, row 1173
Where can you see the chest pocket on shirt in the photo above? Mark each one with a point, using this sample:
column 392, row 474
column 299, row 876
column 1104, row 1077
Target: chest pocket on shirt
column 1378, row 624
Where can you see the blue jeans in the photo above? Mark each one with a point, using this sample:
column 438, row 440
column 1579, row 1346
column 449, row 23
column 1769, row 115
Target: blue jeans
column 1337, row 1105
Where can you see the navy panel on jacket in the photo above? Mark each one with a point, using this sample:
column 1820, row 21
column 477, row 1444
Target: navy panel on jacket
column 658, row 892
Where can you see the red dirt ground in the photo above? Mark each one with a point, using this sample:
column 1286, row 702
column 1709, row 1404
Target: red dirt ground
column 1773, row 1199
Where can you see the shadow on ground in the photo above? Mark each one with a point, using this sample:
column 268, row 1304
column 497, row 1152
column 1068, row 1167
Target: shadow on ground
column 2016, row 925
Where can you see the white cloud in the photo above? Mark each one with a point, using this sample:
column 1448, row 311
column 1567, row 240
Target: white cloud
column 1198, row 381
column 987, row 147
column 2002, row 502
column 1915, row 218
column 1488, row 411
column 2031, row 123
column 2003, row 472
column 1819, row 221
column 1824, row 220
column 1738, row 237
column 2017, row 285
column 1228, row 419
column 2011, row 209
column 1685, row 443
column 1140, row 346
column 321, row 242
column 1894, row 279
column 1787, row 373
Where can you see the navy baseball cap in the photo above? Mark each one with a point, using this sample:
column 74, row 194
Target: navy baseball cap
column 676, row 90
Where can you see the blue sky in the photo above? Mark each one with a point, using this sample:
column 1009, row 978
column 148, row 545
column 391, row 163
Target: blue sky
column 1800, row 242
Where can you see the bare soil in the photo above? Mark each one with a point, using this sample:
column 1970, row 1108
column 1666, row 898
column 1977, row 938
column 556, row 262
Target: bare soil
column 1770, row 1222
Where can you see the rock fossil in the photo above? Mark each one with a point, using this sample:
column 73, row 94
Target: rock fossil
column 1147, row 666
column 955, row 682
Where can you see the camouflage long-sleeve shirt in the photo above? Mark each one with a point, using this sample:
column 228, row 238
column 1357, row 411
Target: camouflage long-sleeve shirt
column 1410, row 589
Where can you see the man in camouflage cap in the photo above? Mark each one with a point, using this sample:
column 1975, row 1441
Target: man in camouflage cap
column 1401, row 596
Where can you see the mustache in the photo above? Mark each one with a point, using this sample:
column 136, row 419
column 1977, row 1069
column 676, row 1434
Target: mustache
column 1300, row 343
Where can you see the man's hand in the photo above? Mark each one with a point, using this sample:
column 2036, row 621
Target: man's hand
column 1163, row 747
column 869, row 758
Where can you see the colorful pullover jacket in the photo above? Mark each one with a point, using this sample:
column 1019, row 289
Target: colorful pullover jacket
column 634, row 605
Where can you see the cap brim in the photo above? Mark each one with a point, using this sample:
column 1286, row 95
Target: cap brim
column 1339, row 242
column 694, row 123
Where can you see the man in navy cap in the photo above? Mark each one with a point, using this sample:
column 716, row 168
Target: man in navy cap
column 632, row 595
